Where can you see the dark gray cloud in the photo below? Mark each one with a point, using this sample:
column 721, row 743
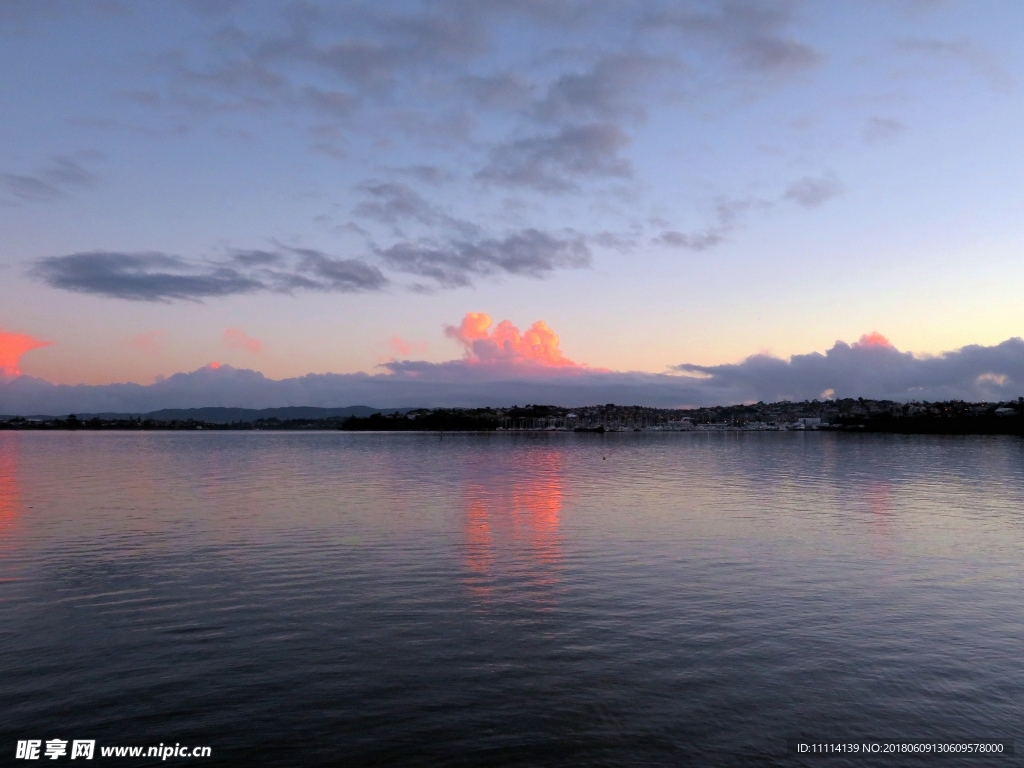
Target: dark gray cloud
column 368, row 47
column 691, row 241
column 454, row 263
column 727, row 217
column 436, row 75
column 752, row 34
column 391, row 202
column 337, row 103
column 871, row 368
column 556, row 163
column 507, row 91
column 376, row 50
column 398, row 204
column 163, row 277
column 811, row 191
column 993, row 373
column 55, row 180
column 448, row 261
column 426, row 174
column 616, row 86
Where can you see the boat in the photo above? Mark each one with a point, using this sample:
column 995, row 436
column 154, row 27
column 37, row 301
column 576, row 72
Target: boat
column 599, row 430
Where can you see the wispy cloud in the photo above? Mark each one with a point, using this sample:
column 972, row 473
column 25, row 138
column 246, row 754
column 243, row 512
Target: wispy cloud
column 150, row 341
column 454, row 263
column 728, row 214
column 616, row 86
column 556, row 163
column 53, row 181
column 155, row 276
column 965, row 52
column 813, row 191
column 752, row 34
column 236, row 338
column 882, row 128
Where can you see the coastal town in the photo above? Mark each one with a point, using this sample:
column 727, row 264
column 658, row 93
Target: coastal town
column 954, row 416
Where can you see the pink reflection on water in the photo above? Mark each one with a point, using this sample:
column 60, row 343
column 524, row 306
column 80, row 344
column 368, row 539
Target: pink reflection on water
column 512, row 525
column 479, row 547
column 10, row 499
column 878, row 495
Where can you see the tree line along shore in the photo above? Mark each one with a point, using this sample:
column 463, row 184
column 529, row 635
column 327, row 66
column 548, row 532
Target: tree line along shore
column 846, row 415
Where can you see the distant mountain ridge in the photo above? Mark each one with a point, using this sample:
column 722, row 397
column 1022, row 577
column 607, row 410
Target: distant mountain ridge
column 219, row 415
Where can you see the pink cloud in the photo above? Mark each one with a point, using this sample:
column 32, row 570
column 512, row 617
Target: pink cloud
column 239, row 339
column 403, row 347
column 12, row 347
column 873, row 339
column 150, row 341
column 537, row 346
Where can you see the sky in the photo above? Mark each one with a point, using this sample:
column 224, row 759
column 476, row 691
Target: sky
column 678, row 203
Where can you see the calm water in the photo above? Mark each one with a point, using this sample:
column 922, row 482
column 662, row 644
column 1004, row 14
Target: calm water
column 547, row 599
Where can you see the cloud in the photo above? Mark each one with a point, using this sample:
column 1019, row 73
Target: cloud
column 693, row 241
column 538, row 346
column 882, row 128
column 12, row 347
column 403, row 347
column 872, row 367
column 338, row 103
column 981, row 62
column 811, row 192
column 427, row 174
column 873, row 340
column 239, row 339
column 447, row 84
column 614, row 87
column 555, row 163
column 150, row 341
column 52, row 182
column 391, row 202
column 727, row 215
column 505, row 91
column 495, row 373
column 162, row 277
column 449, row 264
column 751, row 34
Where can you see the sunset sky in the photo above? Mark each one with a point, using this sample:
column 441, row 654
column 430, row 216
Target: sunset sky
column 651, row 188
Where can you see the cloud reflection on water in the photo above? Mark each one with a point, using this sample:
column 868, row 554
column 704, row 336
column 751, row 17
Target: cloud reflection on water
column 10, row 498
column 512, row 527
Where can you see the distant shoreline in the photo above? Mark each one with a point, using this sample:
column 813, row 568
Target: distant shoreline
column 849, row 416
column 1009, row 427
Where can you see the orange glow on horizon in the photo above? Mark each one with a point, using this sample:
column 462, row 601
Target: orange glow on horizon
column 214, row 366
column 538, row 345
column 13, row 346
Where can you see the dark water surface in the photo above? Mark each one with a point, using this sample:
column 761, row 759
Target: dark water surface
column 533, row 599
